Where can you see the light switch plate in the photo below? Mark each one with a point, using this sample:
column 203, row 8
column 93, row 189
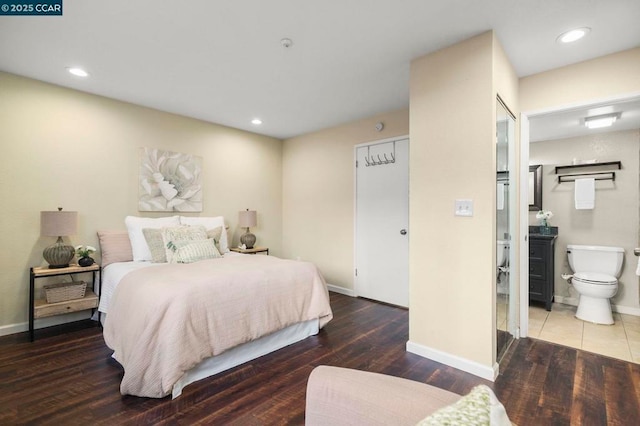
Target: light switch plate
column 464, row 208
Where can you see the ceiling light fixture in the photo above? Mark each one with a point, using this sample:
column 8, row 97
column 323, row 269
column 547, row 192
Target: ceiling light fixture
column 573, row 35
column 256, row 121
column 78, row 72
column 599, row 121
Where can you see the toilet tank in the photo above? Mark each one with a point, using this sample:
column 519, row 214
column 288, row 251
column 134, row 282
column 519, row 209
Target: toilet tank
column 602, row 259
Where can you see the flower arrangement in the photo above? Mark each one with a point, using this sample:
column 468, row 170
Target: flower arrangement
column 543, row 216
column 84, row 251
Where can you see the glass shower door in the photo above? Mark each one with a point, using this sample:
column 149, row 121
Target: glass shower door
column 505, row 301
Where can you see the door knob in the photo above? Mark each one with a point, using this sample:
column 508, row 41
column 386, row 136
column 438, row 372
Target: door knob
column 403, row 232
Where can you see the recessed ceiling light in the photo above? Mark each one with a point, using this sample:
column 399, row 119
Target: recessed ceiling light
column 78, row 72
column 573, row 35
column 256, row 121
column 599, row 121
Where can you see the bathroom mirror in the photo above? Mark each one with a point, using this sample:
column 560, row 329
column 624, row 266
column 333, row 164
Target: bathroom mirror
column 535, row 188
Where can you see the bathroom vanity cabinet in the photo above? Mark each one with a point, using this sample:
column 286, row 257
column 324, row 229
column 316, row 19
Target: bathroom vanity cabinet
column 541, row 268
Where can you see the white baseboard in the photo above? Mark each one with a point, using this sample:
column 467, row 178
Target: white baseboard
column 480, row 370
column 573, row 301
column 627, row 310
column 341, row 290
column 5, row 330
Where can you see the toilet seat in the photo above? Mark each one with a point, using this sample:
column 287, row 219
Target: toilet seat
column 595, row 278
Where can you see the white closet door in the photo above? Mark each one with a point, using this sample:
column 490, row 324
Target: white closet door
column 382, row 222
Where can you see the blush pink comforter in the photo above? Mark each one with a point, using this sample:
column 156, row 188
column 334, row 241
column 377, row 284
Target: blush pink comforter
column 164, row 320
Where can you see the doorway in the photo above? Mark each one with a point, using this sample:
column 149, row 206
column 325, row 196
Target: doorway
column 382, row 221
column 569, row 142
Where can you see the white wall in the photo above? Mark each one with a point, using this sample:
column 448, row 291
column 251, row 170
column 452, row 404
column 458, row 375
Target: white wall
column 66, row 148
column 615, row 219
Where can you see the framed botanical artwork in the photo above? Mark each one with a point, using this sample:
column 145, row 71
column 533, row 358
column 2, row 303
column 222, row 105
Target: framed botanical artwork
column 169, row 181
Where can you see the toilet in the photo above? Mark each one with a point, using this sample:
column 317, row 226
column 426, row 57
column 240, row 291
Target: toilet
column 596, row 269
column 502, row 256
column 502, row 250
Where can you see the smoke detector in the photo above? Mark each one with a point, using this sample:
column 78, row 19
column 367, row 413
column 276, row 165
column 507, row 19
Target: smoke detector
column 286, row 43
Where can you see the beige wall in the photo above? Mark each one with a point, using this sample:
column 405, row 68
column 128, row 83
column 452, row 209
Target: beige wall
column 318, row 193
column 452, row 259
column 612, row 75
column 615, row 219
column 66, row 148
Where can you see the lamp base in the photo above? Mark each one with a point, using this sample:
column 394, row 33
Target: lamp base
column 248, row 239
column 58, row 255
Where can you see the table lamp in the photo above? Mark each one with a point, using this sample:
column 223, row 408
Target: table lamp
column 58, row 224
column 247, row 219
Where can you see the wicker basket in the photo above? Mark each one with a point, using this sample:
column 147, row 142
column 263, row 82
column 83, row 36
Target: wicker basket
column 65, row 291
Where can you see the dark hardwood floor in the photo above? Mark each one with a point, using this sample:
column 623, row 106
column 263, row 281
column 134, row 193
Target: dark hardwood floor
column 69, row 378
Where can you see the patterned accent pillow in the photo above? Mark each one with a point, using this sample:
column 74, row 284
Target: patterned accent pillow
column 156, row 244
column 478, row 407
column 173, row 238
column 193, row 251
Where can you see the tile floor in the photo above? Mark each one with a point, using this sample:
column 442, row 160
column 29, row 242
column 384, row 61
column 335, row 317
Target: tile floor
column 621, row 340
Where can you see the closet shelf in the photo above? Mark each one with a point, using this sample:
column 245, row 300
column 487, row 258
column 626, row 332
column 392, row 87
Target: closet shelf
column 609, row 165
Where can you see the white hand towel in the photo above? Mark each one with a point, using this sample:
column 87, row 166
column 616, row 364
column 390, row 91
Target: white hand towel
column 585, row 193
column 638, row 267
column 500, row 196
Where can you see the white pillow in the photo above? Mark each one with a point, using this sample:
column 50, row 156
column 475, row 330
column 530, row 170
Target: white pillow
column 135, row 224
column 209, row 223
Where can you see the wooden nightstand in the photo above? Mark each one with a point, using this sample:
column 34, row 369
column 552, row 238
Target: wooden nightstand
column 39, row 308
column 251, row 250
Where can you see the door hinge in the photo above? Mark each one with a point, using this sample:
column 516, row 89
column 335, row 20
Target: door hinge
column 356, row 164
column 356, row 272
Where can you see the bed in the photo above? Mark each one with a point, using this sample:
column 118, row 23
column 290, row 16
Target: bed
column 173, row 323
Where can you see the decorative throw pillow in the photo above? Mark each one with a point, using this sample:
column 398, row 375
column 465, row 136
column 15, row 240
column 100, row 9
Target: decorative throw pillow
column 209, row 223
column 135, row 224
column 478, row 407
column 193, row 251
column 215, row 234
column 114, row 247
column 156, row 244
column 174, row 238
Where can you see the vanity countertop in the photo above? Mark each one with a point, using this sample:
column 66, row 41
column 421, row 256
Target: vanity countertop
column 543, row 236
column 534, row 232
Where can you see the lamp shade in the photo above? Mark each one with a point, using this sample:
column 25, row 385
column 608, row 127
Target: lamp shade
column 247, row 218
column 58, row 224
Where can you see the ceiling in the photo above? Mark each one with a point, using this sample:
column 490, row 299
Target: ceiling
column 570, row 123
column 222, row 61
